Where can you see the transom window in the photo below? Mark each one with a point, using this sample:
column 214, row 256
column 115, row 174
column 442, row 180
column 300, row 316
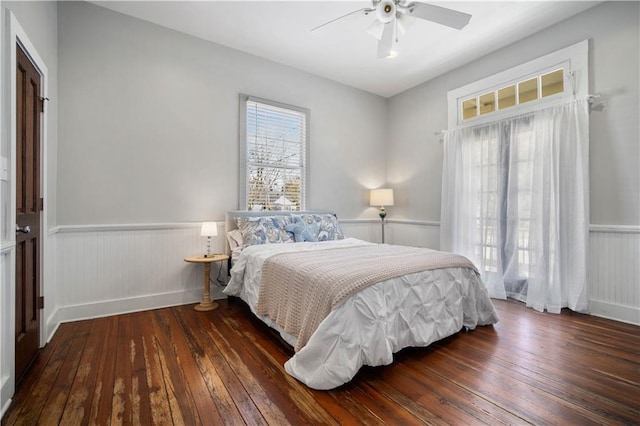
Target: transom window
column 514, row 94
column 274, row 140
column 541, row 82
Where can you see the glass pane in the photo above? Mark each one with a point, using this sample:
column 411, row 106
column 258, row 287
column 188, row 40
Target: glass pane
column 487, row 103
column 273, row 188
column 528, row 90
column 507, row 97
column 469, row 109
column 553, row 83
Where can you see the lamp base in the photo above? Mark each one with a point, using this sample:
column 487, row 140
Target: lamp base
column 206, row 306
column 208, row 253
column 382, row 214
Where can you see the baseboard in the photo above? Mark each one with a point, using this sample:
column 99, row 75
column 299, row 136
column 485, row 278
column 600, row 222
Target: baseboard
column 51, row 325
column 628, row 314
column 5, row 391
column 128, row 305
column 5, row 408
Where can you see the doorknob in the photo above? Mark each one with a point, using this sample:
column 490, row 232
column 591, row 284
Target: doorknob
column 24, row 230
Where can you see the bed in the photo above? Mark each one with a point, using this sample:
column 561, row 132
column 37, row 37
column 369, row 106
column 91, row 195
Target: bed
column 379, row 298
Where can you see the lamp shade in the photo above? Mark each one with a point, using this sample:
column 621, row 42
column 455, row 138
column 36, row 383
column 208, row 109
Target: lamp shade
column 381, row 197
column 209, row 229
column 386, row 11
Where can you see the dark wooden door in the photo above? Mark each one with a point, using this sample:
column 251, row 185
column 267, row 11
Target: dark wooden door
column 28, row 206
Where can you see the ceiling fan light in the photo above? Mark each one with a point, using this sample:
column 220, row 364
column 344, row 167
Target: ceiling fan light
column 385, row 11
column 376, row 29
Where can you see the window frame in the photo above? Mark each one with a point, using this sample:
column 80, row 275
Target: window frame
column 243, row 169
column 573, row 59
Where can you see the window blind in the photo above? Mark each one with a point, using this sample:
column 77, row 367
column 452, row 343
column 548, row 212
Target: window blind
column 276, row 139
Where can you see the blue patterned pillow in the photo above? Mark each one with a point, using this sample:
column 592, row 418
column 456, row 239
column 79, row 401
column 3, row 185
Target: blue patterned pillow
column 279, row 223
column 328, row 226
column 264, row 230
column 303, row 230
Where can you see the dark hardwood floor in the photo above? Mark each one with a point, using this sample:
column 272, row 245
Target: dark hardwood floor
column 178, row 366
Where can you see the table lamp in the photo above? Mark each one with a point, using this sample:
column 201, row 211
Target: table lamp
column 209, row 229
column 381, row 197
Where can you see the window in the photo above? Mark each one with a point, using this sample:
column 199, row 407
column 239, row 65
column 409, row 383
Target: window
column 273, row 140
column 527, row 87
column 551, row 83
column 507, row 204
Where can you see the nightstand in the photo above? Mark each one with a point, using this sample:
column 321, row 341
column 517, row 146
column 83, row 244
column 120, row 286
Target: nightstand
column 207, row 304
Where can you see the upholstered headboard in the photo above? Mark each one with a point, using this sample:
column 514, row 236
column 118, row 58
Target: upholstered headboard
column 231, row 224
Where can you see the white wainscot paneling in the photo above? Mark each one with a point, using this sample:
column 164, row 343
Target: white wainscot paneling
column 396, row 231
column 614, row 273
column 6, row 332
column 109, row 270
column 362, row 229
column 614, row 263
column 413, row 233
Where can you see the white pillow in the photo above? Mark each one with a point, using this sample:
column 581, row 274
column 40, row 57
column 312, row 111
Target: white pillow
column 235, row 239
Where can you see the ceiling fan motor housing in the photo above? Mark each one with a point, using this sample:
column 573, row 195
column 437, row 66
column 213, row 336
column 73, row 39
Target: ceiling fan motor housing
column 386, row 11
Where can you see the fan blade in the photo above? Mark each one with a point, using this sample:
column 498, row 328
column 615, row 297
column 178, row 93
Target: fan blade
column 440, row 15
column 404, row 22
column 376, row 29
column 386, row 42
column 365, row 10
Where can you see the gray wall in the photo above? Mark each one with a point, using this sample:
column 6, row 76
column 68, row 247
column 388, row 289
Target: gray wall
column 414, row 154
column 148, row 129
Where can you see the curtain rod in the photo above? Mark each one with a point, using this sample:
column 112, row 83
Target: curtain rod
column 597, row 102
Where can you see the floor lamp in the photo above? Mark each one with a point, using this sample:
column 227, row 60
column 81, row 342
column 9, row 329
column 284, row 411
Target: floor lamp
column 379, row 198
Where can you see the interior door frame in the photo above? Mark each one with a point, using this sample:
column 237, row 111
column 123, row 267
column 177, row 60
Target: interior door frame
column 17, row 35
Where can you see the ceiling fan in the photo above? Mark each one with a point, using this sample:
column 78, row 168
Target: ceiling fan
column 395, row 16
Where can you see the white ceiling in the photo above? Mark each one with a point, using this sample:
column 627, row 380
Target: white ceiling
column 344, row 51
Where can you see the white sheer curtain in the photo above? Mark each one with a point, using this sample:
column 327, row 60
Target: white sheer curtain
column 515, row 200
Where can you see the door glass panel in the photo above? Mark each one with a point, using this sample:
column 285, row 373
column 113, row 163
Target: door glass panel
column 553, row 83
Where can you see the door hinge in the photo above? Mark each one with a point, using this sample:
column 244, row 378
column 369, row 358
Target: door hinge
column 41, row 205
column 42, row 103
column 41, row 302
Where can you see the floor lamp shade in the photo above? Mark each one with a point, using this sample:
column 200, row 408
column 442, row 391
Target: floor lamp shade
column 381, row 197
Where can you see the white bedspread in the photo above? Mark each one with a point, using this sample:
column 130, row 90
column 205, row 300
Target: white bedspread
column 413, row 310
